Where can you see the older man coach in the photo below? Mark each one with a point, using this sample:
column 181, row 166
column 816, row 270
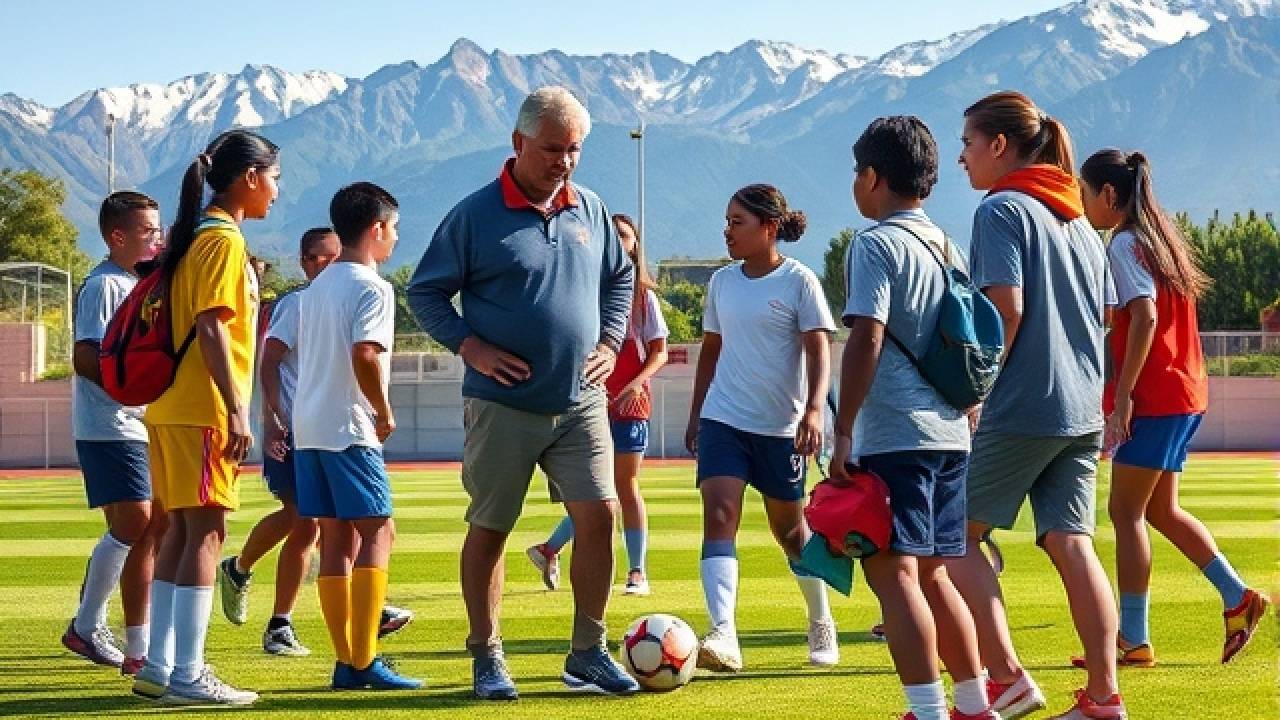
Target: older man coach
column 546, row 290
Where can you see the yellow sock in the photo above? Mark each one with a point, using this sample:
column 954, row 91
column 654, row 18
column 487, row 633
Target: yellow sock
column 368, row 595
column 335, row 605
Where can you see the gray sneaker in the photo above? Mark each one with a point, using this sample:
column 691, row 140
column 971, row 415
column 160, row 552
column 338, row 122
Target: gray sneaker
column 283, row 641
column 491, row 680
column 206, row 689
column 235, row 596
column 595, row 671
column 100, row 647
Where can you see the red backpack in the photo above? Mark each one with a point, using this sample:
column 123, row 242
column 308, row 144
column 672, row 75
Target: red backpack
column 137, row 358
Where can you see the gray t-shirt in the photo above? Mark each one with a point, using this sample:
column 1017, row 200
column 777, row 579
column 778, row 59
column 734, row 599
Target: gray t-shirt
column 1051, row 382
column 284, row 327
column 95, row 416
column 892, row 277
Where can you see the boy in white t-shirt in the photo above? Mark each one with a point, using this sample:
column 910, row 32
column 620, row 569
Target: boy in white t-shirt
column 346, row 327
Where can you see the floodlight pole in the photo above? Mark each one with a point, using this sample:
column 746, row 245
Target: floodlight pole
column 111, row 153
column 638, row 135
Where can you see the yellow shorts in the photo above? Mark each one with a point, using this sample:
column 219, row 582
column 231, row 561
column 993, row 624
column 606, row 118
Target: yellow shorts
column 189, row 470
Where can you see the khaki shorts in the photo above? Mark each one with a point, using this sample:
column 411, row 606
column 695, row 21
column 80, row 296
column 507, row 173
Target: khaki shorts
column 503, row 445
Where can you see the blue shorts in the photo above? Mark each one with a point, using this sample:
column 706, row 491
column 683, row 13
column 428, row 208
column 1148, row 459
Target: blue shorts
column 281, row 476
column 630, row 436
column 927, row 499
column 1158, row 443
column 346, row 485
column 769, row 464
column 114, row 471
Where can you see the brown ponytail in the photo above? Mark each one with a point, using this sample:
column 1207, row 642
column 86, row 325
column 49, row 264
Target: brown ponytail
column 1036, row 137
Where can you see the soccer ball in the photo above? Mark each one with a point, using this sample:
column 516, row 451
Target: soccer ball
column 660, row 652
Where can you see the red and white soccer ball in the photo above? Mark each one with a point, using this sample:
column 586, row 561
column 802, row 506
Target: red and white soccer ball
column 660, row 652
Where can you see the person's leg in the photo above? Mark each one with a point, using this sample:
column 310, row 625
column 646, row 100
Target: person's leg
column 1131, row 489
column 482, row 569
column 909, row 629
column 337, row 556
column 1092, row 609
column 560, row 536
column 957, row 637
column 369, row 587
column 635, row 518
column 263, row 538
column 126, row 525
column 193, row 599
column 591, row 569
column 291, row 565
column 721, row 516
column 1193, row 539
column 160, row 650
column 136, row 582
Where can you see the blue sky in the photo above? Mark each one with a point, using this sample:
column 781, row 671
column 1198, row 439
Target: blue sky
column 55, row 49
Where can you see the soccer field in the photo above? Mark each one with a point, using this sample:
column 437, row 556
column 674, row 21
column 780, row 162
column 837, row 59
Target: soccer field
column 46, row 535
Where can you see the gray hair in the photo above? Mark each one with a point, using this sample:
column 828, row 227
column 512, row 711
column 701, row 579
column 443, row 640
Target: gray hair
column 551, row 102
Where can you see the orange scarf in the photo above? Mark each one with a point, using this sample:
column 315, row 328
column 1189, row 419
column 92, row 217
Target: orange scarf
column 1050, row 185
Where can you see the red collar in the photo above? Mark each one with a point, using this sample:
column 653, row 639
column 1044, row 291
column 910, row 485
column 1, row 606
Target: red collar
column 515, row 199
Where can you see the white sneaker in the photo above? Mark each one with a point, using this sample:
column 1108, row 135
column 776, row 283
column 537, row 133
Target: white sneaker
column 206, row 689
column 637, row 584
column 283, row 641
column 719, row 651
column 1019, row 699
column 824, row 644
column 549, row 566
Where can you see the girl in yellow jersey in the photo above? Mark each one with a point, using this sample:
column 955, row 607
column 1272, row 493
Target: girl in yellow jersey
column 199, row 428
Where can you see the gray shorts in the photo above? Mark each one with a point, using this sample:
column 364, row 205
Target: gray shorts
column 503, row 445
column 1060, row 474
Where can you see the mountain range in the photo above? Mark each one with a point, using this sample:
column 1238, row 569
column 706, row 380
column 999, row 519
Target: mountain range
column 1194, row 83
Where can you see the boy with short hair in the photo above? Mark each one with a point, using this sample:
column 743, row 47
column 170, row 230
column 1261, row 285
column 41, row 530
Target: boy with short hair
column 896, row 425
column 111, row 443
column 346, row 328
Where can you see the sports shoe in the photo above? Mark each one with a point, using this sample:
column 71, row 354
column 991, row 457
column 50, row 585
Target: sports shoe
column 637, row 583
column 283, row 641
column 547, row 562
column 824, row 644
column 1017, row 699
column 595, row 671
column 235, row 596
column 150, row 682
column 491, row 680
column 206, row 689
column 1241, row 622
column 131, row 666
column 99, row 647
column 877, row 632
column 344, row 677
column 380, row 675
column 393, row 620
column 719, row 651
column 1086, row 708
column 1139, row 656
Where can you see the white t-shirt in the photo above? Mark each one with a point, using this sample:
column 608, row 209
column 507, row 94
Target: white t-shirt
column 284, row 327
column 346, row 304
column 1132, row 279
column 95, row 417
column 759, row 385
column 649, row 327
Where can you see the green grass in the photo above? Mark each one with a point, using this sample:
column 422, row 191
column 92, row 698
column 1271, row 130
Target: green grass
column 45, row 535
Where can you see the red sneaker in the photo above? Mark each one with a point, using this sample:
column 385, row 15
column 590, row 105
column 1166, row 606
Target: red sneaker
column 131, row 666
column 1086, row 708
column 1016, row 699
column 987, row 714
column 1241, row 622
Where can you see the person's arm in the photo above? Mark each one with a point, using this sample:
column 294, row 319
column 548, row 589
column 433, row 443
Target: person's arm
column 817, row 365
column 857, row 372
column 1142, row 333
column 84, row 360
column 708, row 356
column 215, row 349
column 274, row 430
column 368, row 372
column 93, row 313
column 1008, row 302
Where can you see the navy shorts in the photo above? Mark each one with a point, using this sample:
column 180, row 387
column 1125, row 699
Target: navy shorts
column 281, row 476
column 346, row 485
column 630, row 436
column 927, row 498
column 114, row 471
column 1158, row 443
column 769, row 464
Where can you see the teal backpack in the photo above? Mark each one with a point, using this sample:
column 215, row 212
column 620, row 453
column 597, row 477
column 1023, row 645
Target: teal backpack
column 963, row 357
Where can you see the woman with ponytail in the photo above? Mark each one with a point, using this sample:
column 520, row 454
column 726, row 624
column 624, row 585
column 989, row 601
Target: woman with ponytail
column 1036, row 257
column 1157, row 399
column 199, row 429
column 757, row 414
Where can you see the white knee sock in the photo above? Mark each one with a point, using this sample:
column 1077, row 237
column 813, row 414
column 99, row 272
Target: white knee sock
column 971, row 696
column 100, row 578
column 135, row 641
column 191, row 608
column 720, row 585
column 815, row 597
column 160, row 652
column 927, row 702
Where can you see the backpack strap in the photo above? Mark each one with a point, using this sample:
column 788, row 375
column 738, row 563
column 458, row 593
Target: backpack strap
column 943, row 263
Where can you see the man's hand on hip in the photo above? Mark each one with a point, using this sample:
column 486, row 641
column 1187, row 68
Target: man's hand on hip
column 600, row 364
column 493, row 362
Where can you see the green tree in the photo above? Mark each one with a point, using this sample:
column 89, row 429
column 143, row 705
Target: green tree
column 32, row 226
column 1243, row 259
column 682, row 306
column 833, row 280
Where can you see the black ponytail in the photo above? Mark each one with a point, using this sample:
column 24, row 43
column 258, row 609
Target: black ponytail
column 767, row 203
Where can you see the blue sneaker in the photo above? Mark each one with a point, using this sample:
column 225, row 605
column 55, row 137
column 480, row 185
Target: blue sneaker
column 381, row 676
column 345, row 677
column 491, row 680
column 595, row 671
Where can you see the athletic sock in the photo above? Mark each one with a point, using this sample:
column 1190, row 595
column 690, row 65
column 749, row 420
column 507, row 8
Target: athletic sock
column 368, row 594
column 335, row 605
column 191, row 608
column 135, row 641
column 1134, row 629
column 1224, row 578
column 719, row 570
column 160, row 651
column 560, row 536
column 637, row 540
column 815, row 593
column 100, row 577
column 927, row 702
column 278, row 621
column 971, row 696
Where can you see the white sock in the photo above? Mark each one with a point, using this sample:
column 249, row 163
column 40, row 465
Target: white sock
column 971, row 696
column 720, row 586
column 100, row 578
column 160, row 652
column 928, row 702
column 135, row 640
column 815, row 596
column 191, row 608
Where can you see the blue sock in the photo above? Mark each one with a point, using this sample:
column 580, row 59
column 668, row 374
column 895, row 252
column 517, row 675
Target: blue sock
column 1133, row 618
column 637, row 540
column 561, row 535
column 1224, row 577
